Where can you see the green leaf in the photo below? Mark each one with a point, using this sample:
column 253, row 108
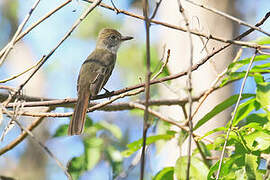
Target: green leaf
column 243, row 110
column 88, row 122
column 183, row 135
column 116, row 160
column 136, row 145
column 221, row 107
column 213, row 131
column 263, row 95
column 92, row 151
column 77, row 166
column 261, row 68
column 165, row 173
column 212, row 170
column 260, row 118
column 198, row 170
column 61, row 131
column 251, row 165
column 232, row 77
column 240, row 174
column 253, row 125
column 205, row 150
column 218, row 143
column 258, row 77
column 226, row 168
column 257, row 140
column 112, row 128
column 233, row 67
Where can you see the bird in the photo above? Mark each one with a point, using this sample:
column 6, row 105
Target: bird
column 94, row 74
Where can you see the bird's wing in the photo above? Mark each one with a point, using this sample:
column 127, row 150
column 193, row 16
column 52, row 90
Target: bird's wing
column 95, row 72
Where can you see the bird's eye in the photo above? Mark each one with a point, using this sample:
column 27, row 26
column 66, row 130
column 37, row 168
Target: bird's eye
column 113, row 37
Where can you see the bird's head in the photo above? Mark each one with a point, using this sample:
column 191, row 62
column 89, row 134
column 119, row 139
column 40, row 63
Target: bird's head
column 110, row 39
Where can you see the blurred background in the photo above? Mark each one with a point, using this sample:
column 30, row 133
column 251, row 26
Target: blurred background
column 57, row 78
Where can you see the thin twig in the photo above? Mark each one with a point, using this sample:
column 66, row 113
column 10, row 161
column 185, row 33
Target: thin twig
column 264, row 53
column 174, row 76
column 45, row 148
column 183, row 73
column 45, row 58
column 24, row 134
column 17, row 75
column 189, row 86
column 147, row 85
column 234, row 113
column 115, row 8
column 91, row 109
column 239, row 21
column 163, row 65
column 19, row 30
column 240, row 43
column 69, row 103
column 7, row 88
column 214, row 83
column 194, row 67
column 156, row 9
column 166, row 119
column 21, row 35
column 133, row 164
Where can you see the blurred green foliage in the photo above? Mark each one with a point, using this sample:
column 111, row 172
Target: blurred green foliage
column 9, row 20
column 105, row 147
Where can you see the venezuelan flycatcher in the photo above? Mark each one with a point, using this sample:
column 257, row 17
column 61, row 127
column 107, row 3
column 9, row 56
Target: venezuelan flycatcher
column 94, row 73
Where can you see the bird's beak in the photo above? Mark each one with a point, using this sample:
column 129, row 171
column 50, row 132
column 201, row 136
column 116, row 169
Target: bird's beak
column 125, row 38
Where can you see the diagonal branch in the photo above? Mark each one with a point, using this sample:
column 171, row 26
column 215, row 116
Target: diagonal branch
column 45, row 58
column 156, row 9
column 19, row 30
column 207, row 36
column 147, row 85
column 189, row 84
column 21, row 35
column 239, row 21
column 24, row 134
column 234, row 113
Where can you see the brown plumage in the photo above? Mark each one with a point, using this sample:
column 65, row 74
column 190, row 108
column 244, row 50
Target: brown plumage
column 94, row 74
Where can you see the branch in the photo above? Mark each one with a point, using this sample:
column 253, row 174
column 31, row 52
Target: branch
column 168, row 120
column 36, row 24
column 234, row 113
column 69, row 103
column 19, row 30
column 17, row 75
column 153, row 81
column 22, row 136
column 146, row 124
column 189, row 84
column 156, row 9
column 214, row 83
column 167, row 78
column 45, row 148
column 207, row 36
column 239, row 21
column 45, row 58
column 183, row 73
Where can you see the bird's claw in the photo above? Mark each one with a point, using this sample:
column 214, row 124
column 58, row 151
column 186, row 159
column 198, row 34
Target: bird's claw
column 108, row 93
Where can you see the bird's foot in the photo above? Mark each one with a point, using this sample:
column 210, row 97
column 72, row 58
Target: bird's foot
column 108, row 93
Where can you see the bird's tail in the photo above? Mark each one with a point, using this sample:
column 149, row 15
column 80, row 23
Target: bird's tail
column 76, row 124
